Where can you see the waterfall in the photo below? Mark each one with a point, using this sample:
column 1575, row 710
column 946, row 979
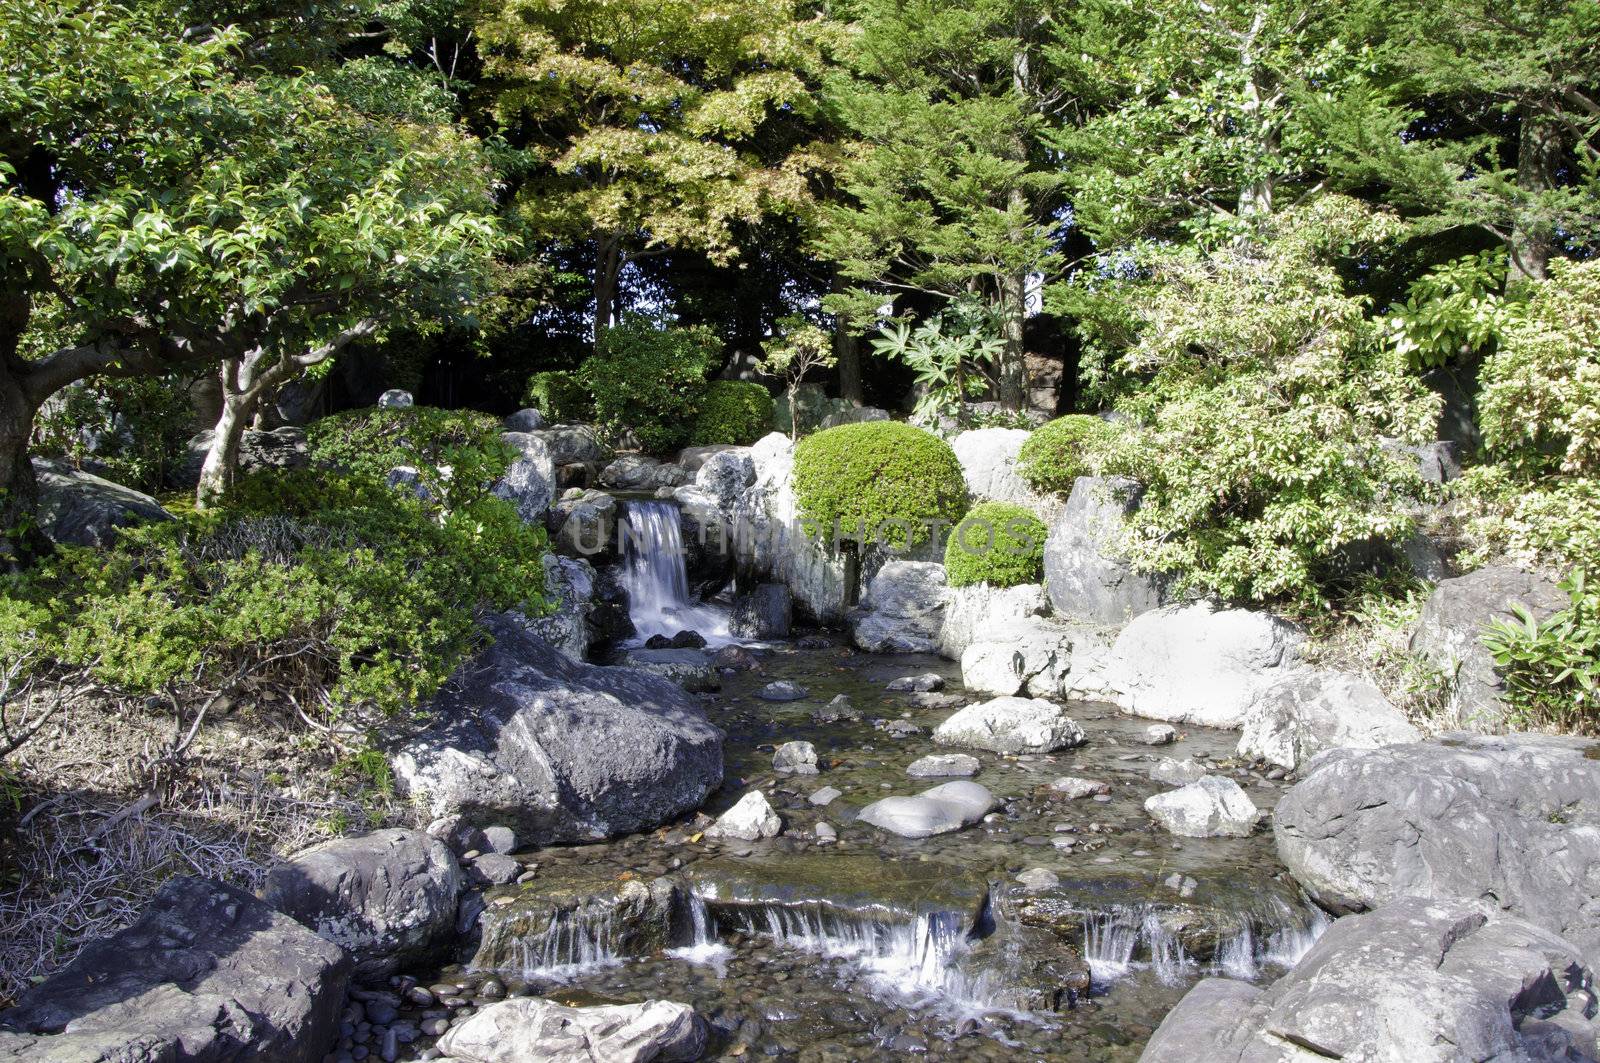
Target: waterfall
column 704, row 947
column 572, row 945
column 1111, row 939
column 657, row 578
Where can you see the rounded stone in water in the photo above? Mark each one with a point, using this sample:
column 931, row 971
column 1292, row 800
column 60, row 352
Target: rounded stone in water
column 937, row 811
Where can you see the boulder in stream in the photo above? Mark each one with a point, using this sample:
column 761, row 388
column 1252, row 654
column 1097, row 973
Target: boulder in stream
column 1415, row 981
column 1011, row 725
column 1206, row 808
column 795, row 758
column 534, row 1030
column 571, row 916
column 903, row 609
column 782, row 690
column 751, row 819
column 1303, row 712
column 937, row 811
column 559, row 750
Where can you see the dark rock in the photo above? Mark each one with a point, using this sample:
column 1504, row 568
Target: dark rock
column 281, row 448
column 767, row 612
column 528, row 420
column 735, row 659
column 688, row 640
column 388, row 898
column 782, row 690
column 207, row 973
column 559, row 750
column 80, row 509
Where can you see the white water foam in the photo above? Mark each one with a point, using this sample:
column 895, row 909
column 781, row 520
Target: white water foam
column 572, row 946
column 705, row 949
column 657, row 577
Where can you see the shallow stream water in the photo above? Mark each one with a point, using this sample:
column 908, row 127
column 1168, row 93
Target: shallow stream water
column 877, row 947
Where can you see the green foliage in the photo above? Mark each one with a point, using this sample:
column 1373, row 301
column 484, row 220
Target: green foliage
column 950, row 353
column 1259, row 436
column 345, row 592
column 1543, row 521
column 878, row 481
column 1059, row 452
column 732, row 411
column 136, row 430
column 559, row 394
column 799, row 348
column 1552, row 667
column 998, row 543
column 1451, row 313
column 650, row 380
column 369, row 443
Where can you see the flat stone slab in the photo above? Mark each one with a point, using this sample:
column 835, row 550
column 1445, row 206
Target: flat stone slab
column 940, row 810
column 944, row 766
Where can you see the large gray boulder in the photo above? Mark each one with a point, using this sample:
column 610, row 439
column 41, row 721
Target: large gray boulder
column 903, row 609
column 534, row 1030
column 988, row 458
column 1416, row 981
column 387, row 898
column 1513, row 822
column 725, row 476
column 1086, row 578
column 584, row 524
column 971, row 612
column 524, row 420
column 1197, row 664
column 81, row 509
column 259, row 451
column 636, row 472
column 207, row 973
column 940, row 810
column 572, row 444
column 1301, row 713
column 1011, row 725
column 692, row 458
column 1449, row 635
column 569, row 585
column 529, row 483
column 1031, row 656
column 559, row 750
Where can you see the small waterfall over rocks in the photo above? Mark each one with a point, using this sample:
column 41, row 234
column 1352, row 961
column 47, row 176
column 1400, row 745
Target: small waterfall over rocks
column 1117, row 941
column 656, row 576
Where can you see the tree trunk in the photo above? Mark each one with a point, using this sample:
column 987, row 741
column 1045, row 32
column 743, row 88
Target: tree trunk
column 607, row 269
column 1013, row 358
column 1533, row 238
column 222, row 457
column 847, row 349
column 21, row 540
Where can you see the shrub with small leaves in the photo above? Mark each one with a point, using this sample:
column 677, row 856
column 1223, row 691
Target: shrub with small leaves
column 561, row 396
column 879, row 481
column 458, row 453
column 1061, row 451
column 732, row 411
column 998, row 543
column 650, row 380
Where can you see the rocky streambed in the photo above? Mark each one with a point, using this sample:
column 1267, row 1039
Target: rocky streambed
column 1063, row 925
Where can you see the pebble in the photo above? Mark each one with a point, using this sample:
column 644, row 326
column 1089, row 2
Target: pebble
column 825, row 796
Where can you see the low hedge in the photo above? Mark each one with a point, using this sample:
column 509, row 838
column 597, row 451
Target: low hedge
column 998, row 543
column 881, row 481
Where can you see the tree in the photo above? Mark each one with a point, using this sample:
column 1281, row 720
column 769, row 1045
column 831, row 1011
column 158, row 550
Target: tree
column 647, row 125
column 947, row 189
column 1477, row 115
column 799, row 349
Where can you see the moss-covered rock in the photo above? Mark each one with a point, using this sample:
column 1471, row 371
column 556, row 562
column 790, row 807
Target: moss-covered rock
column 1061, row 451
column 881, row 481
column 732, row 411
column 998, row 543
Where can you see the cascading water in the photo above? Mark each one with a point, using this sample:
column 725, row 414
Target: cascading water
column 657, row 578
column 704, row 947
column 572, row 945
column 1113, row 938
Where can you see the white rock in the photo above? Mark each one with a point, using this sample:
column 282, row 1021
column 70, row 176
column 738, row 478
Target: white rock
column 944, row 765
column 903, row 609
column 1031, row 656
column 1178, row 772
column 937, row 811
column 1160, row 734
column 826, row 796
column 1208, row 808
column 1039, row 878
column 799, row 758
column 988, row 458
column 973, row 611
column 533, row 1030
column 1075, row 789
column 1011, row 725
column 1195, row 664
column 750, row 820
column 1304, row 712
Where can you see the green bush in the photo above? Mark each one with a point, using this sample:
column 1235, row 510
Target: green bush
column 368, row 443
column 650, row 380
column 135, row 431
column 1059, row 452
column 1552, row 667
column 998, row 543
column 878, row 481
column 732, row 411
column 561, row 396
column 337, row 590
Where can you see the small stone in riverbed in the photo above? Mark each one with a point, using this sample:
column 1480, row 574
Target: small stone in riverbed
column 795, row 758
column 500, row 840
column 898, row 728
column 835, row 711
column 937, row 811
column 825, row 797
column 1039, row 878
column 433, row 1027
column 750, row 820
column 782, row 690
column 826, row 833
column 1011, row 725
column 924, row 700
column 946, row 765
column 495, row 869
column 1207, row 808
column 1160, row 734
column 925, row 683
column 1177, row 772
column 1073, row 788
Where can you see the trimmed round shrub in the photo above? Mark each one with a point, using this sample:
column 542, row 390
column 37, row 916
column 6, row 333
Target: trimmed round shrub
column 998, row 543
column 732, row 411
column 1060, row 451
column 560, row 396
column 880, row 481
